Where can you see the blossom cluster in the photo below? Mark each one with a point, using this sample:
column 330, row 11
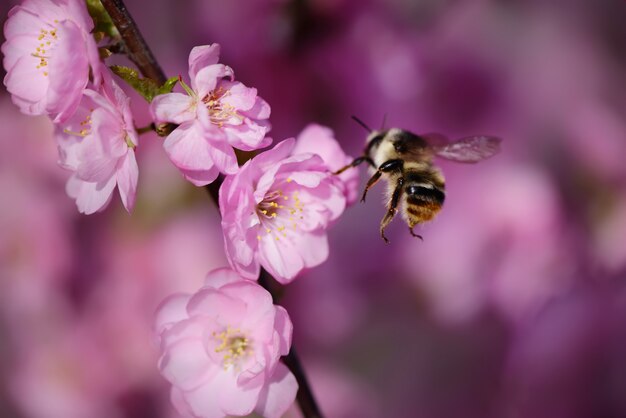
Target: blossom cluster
column 221, row 346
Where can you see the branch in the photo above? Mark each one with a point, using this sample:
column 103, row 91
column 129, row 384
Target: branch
column 136, row 47
column 140, row 54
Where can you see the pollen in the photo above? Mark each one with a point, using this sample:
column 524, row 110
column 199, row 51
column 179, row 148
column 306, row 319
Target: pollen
column 280, row 212
column 220, row 112
column 84, row 125
column 46, row 38
column 235, row 346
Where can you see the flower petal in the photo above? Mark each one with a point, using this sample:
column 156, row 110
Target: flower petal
column 69, row 72
column 202, row 56
column 171, row 310
column 277, row 396
column 284, row 328
column 173, row 107
column 185, row 363
column 90, row 197
column 223, row 157
column 127, row 175
column 280, row 258
column 220, row 397
column 189, row 151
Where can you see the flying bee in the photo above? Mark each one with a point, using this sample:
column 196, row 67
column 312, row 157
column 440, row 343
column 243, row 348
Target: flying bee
column 414, row 182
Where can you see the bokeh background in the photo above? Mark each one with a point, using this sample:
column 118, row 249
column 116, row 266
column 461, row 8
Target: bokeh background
column 514, row 306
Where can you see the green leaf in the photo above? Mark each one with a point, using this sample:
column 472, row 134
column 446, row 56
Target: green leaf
column 146, row 87
column 101, row 19
column 168, row 86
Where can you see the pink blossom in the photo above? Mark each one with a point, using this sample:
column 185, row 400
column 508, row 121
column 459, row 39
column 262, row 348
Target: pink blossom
column 47, row 55
column 320, row 140
column 220, row 349
column 275, row 212
column 216, row 114
column 97, row 144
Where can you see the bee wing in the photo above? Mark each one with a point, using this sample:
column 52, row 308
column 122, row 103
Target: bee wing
column 465, row 150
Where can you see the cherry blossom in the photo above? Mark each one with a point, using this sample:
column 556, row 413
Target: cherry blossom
column 220, row 349
column 48, row 54
column 276, row 210
column 97, row 144
column 320, row 140
column 216, row 114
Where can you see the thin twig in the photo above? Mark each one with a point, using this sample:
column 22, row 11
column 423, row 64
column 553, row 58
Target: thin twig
column 136, row 47
column 146, row 129
column 139, row 53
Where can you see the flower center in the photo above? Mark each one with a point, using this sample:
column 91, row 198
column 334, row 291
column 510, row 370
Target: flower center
column 279, row 211
column 46, row 39
column 84, row 125
column 219, row 112
column 235, row 346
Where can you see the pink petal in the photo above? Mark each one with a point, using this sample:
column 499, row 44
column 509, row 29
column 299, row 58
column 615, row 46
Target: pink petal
column 257, row 301
column 280, row 151
column 320, row 140
column 186, row 328
column 69, row 71
column 279, row 394
column 313, row 248
column 207, row 78
column 186, row 364
column 202, row 56
column 223, row 156
column 240, row 252
column 28, row 83
column 310, row 179
column 180, row 403
column 17, row 47
column 221, row 277
column 260, row 110
column 46, row 10
column 77, row 11
column 239, row 400
column 214, row 303
column 189, row 151
column 173, row 107
column 248, row 136
column 280, row 258
column 220, row 397
column 90, row 197
column 22, row 22
column 240, row 255
column 127, row 175
column 239, row 96
column 171, row 310
column 284, row 328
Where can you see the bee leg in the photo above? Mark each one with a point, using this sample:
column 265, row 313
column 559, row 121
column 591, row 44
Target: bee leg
column 392, row 208
column 354, row 163
column 372, row 181
column 414, row 234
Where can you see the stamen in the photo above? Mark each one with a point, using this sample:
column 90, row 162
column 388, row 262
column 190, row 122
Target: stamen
column 275, row 218
column 235, row 345
column 46, row 37
column 219, row 112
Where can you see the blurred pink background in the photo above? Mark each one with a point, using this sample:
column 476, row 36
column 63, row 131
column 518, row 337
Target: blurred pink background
column 513, row 306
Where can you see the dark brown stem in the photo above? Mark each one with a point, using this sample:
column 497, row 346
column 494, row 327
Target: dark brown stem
column 136, row 48
column 305, row 397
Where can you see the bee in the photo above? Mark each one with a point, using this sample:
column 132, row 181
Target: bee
column 414, row 182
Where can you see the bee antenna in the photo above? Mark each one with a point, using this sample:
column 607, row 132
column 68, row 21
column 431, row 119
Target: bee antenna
column 363, row 124
column 384, row 123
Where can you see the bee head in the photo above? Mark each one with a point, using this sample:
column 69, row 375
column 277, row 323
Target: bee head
column 374, row 139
